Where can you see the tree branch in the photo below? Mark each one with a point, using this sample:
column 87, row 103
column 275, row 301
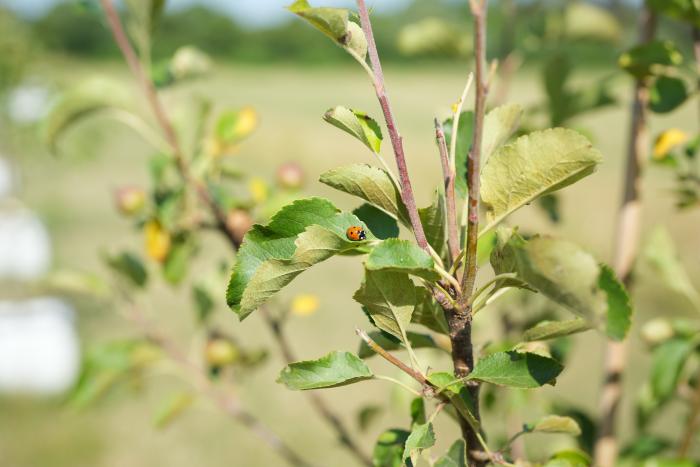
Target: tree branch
column 460, row 320
column 396, row 140
column 449, row 177
column 149, row 91
column 626, row 247
column 316, row 401
column 693, row 423
column 229, row 404
column 479, row 10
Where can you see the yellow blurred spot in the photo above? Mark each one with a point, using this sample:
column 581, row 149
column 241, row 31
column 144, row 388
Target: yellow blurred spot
column 214, row 147
column 305, row 304
column 246, row 123
column 258, row 189
column 667, row 141
column 455, row 106
column 157, row 240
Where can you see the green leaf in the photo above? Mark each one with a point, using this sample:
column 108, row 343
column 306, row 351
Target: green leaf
column 667, row 365
column 298, row 236
column 458, row 394
column 665, row 462
column 433, row 219
column 553, row 329
column 389, row 298
column 333, row 370
column 518, row 370
column 357, row 124
column 645, row 446
column 667, row 94
column 569, row 458
column 568, row 275
column 534, row 165
column 499, row 125
column 177, row 261
column 370, row 183
column 421, row 437
column 464, row 142
column 417, row 340
column 172, row 408
column 108, row 365
column 129, row 266
column 455, row 456
column 555, row 424
column 619, row 312
column 683, row 10
column 660, row 254
column 640, row 61
column 388, row 451
column 203, row 302
column 333, row 22
column 85, row 100
column 379, row 222
column 428, row 312
column 418, row 411
column 367, row 416
column 402, row 256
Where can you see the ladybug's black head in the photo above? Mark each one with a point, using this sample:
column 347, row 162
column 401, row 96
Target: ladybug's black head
column 362, row 235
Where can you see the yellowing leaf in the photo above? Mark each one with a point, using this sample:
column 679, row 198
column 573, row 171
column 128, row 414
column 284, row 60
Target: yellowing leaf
column 531, row 166
column 157, row 241
column 258, row 189
column 305, row 304
column 667, row 141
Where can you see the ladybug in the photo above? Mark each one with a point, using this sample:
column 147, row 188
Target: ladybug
column 355, row 233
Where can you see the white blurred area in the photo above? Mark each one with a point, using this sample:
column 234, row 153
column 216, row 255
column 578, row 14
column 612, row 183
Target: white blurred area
column 39, row 346
column 28, row 103
column 39, row 351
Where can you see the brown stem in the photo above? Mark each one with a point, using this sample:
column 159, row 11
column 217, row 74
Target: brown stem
column 460, row 325
column 396, row 141
column 449, row 176
column 379, row 350
column 626, row 247
column 151, row 94
column 460, row 320
column 316, row 401
column 226, row 401
column 693, row 423
column 479, row 10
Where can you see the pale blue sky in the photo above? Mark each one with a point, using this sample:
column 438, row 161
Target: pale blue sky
column 251, row 12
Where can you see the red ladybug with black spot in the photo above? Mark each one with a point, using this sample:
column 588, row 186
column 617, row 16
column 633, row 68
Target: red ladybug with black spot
column 356, row 233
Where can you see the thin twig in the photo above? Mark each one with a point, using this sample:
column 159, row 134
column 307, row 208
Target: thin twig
column 450, row 205
column 626, row 247
column 479, row 10
column 379, row 350
column 316, row 401
column 151, row 94
column 695, row 34
column 693, row 423
column 396, row 140
column 224, row 400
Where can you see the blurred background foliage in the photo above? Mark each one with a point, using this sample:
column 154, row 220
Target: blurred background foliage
column 71, row 28
column 559, row 59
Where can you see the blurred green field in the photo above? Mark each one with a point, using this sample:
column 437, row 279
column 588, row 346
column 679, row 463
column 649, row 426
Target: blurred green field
column 73, row 195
